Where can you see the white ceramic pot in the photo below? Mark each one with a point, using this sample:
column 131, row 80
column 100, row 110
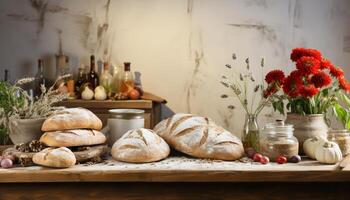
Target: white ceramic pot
column 307, row 126
column 25, row 130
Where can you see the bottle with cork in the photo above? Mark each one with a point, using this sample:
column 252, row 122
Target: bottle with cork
column 127, row 82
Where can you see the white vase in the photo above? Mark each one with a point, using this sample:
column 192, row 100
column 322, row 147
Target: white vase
column 25, row 130
column 307, row 126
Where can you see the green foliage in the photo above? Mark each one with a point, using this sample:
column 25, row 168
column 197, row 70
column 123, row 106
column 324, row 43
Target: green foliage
column 319, row 104
column 342, row 111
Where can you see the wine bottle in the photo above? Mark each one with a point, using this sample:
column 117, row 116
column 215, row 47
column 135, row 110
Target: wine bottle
column 7, row 75
column 39, row 79
column 93, row 76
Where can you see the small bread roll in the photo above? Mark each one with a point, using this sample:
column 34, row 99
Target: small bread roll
column 140, row 146
column 58, row 158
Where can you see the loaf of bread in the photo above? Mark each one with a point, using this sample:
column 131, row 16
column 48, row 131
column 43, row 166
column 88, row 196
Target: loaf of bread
column 140, row 146
column 199, row 137
column 72, row 118
column 73, row 138
column 59, row 158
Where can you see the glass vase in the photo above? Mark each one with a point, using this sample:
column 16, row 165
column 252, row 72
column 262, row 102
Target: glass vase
column 250, row 137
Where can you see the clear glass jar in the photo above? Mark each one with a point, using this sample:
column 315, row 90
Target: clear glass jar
column 342, row 138
column 277, row 139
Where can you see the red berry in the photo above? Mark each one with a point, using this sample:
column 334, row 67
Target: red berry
column 257, row 157
column 250, row 152
column 281, row 159
column 264, row 160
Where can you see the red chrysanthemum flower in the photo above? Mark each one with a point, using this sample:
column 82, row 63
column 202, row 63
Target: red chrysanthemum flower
column 344, row 84
column 321, row 79
column 292, row 84
column 308, row 65
column 336, row 72
column 308, row 91
column 297, row 53
column 326, row 64
column 275, row 76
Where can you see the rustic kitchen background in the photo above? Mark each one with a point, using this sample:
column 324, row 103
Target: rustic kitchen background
column 180, row 47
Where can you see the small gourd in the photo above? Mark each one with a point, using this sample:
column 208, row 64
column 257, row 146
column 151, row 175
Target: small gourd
column 328, row 153
column 87, row 93
column 100, row 93
column 311, row 144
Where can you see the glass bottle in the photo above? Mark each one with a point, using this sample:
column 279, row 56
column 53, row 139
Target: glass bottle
column 250, row 136
column 93, row 76
column 277, row 139
column 39, row 79
column 342, row 138
column 116, row 78
column 106, row 77
column 80, row 80
column 7, row 75
column 127, row 80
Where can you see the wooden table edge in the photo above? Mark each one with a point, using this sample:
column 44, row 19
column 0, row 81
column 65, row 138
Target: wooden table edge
column 176, row 176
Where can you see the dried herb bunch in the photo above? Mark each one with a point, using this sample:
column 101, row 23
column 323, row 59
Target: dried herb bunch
column 251, row 96
column 245, row 89
column 15, row 103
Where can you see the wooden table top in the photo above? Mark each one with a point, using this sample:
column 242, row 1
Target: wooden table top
column 181, row 169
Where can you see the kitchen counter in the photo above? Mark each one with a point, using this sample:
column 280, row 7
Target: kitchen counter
column 177, row 178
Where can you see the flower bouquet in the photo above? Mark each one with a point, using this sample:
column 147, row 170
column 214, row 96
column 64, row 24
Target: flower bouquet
column 310, row 90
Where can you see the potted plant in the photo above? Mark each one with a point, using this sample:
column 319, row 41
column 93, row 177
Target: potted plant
column 21, row 115
column 250, row 95
column 309, row 90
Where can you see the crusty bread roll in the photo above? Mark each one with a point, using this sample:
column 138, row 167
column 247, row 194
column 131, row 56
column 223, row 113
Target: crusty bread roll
column 199, row 137
column 73, row 138
column 140, row 146
column 59, row 158
column 72, row 118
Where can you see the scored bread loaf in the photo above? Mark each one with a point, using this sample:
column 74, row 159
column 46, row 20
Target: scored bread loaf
column 59, row 158
column 140, row 146
column 72, row 118
column 199, row 137
column 72, row 138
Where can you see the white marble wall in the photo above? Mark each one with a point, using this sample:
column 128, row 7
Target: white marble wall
column 180, row 46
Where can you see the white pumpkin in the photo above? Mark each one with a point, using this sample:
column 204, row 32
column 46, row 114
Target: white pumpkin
column 311, row 144
column 87, row 94
column 328, row 153
column 100, row 93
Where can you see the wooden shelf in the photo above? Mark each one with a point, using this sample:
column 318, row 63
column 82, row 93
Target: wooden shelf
column 180, row 169
column 100, row 108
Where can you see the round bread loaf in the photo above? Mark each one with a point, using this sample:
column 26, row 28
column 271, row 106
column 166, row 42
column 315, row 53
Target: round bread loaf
column 199, row 137
column 59, row 158
column 140, row 146
column 73, row 138
column 72, row 118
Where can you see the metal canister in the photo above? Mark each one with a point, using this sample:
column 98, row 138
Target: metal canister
column 122, row 120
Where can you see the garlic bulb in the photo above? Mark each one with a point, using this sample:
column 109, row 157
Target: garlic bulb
column 328, row 153
column 311, row 144
column 87, row 94
column 100, row 93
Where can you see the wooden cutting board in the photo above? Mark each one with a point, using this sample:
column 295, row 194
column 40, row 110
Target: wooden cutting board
column 81, row 156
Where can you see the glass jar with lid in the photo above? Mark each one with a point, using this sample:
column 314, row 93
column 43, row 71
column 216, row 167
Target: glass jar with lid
column 277, row 139
column 342, row 138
